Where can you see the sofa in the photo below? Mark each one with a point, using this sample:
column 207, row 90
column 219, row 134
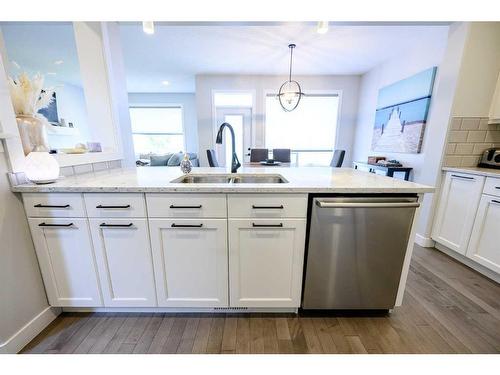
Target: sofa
column 166, row 160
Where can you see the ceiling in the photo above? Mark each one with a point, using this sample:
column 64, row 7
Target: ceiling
column 177, row 53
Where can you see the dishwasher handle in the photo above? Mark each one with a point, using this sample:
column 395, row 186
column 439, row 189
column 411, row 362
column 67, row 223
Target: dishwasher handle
column 322, row 204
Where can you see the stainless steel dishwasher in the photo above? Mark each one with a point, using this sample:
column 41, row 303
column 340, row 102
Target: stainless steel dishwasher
column 356, row 250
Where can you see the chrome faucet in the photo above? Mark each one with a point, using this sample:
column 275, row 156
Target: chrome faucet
column 235, row 163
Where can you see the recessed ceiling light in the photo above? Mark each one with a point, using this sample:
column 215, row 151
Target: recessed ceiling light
column 165, row 83
column 51, row 73
column 58, row 62
column 148, row 27
column 322, row 27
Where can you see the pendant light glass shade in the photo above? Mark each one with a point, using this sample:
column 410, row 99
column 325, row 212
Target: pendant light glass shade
column 290, row 91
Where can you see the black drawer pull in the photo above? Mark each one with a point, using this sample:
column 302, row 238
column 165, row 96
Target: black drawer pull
column 198, row 206
column 39, row 205
column 55, row 225
column 280, row 207
column 104, row 225
column 186, row 225
column 494, row 200
column 497, row 187
column 280, row 225
column 101, row 206
column 464, row 177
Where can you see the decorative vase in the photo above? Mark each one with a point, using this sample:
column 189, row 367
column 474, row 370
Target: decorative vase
column 33, row 133
column 186, row 164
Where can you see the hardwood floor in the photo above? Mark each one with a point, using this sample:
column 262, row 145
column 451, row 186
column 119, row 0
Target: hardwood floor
column 448, row 308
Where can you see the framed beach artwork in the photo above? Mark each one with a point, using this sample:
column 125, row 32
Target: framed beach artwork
column 401, row 115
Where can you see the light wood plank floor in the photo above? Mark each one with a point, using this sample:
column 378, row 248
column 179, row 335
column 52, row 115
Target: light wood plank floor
column 448, row 308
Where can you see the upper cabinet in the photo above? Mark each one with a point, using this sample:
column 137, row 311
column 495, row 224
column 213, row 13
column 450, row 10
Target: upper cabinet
column 460, row 195
column 495, row 105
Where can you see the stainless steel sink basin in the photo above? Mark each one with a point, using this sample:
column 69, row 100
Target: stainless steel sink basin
column 228, row 178
column 203, row 179
column 259, row 179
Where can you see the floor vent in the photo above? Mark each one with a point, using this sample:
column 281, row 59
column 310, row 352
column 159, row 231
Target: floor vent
column 230, row 309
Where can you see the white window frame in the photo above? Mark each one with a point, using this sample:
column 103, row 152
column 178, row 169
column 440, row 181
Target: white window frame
column 338, row 93
column 215, row 125
column 162, row 105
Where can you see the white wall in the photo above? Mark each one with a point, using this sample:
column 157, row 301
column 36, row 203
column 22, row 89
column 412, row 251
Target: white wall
column 188, row 102
column 22, row 295
column 260, row 84
column 421, row 58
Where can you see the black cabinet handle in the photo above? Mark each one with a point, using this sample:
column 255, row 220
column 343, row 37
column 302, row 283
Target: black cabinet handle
column 494, row 200
column 280, row 225
column 497, row 187
column 55, row 225
column 101, row 206
column 198, row 206
column 104, row 225
column 39, row 205
column 186, row 225
column 464, row 177
column 280, row 207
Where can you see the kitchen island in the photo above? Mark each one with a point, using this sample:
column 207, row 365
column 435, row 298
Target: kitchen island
column 152, row 239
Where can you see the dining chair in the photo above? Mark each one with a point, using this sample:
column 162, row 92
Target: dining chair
column 212, row 158
column 337, row 159
column 258, row 154
column 282, row 155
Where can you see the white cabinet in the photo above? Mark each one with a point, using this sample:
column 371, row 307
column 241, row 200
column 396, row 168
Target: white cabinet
column 190, row 261
column 124, row 262
column 458, row 204
column 67, row 262
column 265, row 262
column 484, row 246
column 494, row 114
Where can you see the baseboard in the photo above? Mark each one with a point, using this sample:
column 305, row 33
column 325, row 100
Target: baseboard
column 29, row 331
column 210, row 310
column 424, row 241
column 469, row 263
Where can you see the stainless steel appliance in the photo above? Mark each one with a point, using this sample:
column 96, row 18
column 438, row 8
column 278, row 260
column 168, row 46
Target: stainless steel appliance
column 490, row 158
column 356, row 250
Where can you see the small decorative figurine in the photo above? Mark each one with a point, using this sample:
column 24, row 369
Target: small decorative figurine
column 186, row 164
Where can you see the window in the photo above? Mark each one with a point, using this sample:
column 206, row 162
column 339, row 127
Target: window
column 309, row 130
column 157, row 130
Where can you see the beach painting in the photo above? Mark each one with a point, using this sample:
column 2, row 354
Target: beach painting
column 401, row 114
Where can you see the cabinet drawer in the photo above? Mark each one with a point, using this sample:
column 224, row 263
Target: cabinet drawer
column 186, row 205
column 115, row 204
column 54, row 205
column 267, row 205
column 492, row 186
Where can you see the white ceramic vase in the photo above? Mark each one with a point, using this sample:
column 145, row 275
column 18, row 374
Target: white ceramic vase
column 33, row 133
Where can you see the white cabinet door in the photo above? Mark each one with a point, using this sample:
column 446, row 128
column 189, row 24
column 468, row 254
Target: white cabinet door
column 190, row 261
column 67, row 262
column 124, row 261
column 265, row 262
column 484, row 246
column 457, row 209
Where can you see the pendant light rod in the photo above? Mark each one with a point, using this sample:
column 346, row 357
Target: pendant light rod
column 291, row 46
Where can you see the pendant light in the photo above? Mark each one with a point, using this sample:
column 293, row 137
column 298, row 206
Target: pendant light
column 290, row 92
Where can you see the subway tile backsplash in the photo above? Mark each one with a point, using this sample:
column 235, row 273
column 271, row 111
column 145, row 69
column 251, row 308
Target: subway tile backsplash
column 467, row 139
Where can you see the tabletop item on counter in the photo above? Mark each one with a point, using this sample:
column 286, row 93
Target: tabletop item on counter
column 375, row 159
column 79, row 148
column 186, row 164
column 270, row 162
column 94, row 146
column 41, row 167
column 390, row 163
column 490, row 158
column 28, row 98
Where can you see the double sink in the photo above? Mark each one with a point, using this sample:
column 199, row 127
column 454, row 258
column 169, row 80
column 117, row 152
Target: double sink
column 230, row 178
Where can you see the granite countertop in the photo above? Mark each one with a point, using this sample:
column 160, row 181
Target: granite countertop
column 300, row 180
column 488, row 172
